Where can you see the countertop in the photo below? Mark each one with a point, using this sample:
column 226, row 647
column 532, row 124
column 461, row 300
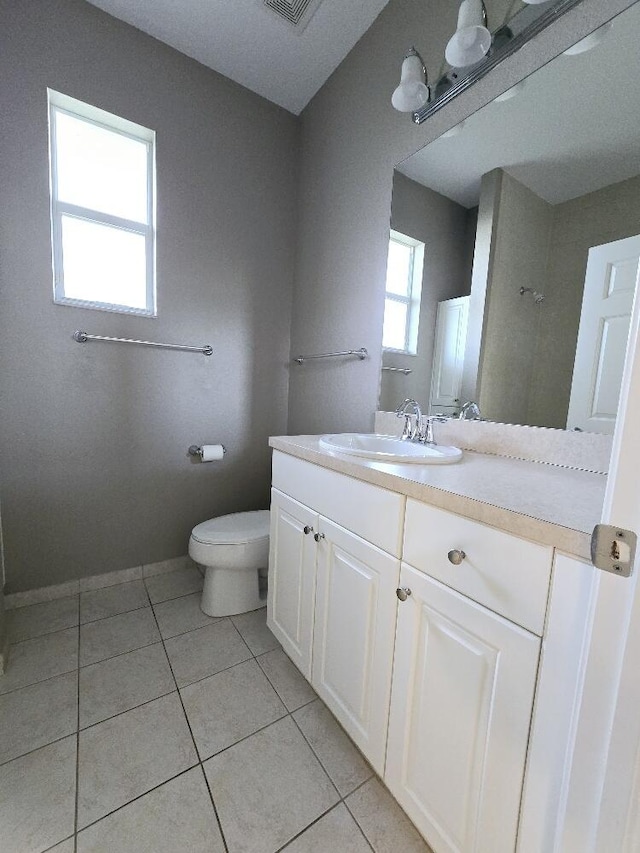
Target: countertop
column 544, row 503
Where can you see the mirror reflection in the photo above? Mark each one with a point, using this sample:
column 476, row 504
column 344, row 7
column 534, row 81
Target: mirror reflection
column 514, row 249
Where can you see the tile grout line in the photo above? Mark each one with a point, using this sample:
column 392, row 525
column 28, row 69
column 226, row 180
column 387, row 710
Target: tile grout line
column 342, row 799
column 102, row 618
column 266, row 674
column 289, row 841
column 126, row 711
column 36, row 748
column 135, row 799
column 186, row 717
column 200, row 762
column 355, row 819
column 70, row 838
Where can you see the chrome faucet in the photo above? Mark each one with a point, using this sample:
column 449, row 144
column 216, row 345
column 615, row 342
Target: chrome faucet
column 422, row 430
column 470, row 411
column 410, row 432
column 427, row 433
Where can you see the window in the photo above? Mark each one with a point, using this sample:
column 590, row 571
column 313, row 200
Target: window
column 402, row 296
column 102, row 208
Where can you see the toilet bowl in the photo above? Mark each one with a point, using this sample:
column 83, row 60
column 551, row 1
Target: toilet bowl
column 234, row 551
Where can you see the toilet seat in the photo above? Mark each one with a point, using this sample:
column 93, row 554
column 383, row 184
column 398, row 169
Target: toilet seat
column 238, row 528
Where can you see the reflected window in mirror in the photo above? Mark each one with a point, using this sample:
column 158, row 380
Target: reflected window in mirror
column 402, row 294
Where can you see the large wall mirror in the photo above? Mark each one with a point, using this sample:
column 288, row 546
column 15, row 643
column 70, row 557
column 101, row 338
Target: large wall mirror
column 514, row 247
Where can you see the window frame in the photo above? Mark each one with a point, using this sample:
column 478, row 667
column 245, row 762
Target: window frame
column 413, row 297
column 59, row 103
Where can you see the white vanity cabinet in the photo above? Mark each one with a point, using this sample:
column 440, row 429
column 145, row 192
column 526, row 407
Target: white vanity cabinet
column 331, row 600
column 464, row 678
column 463, row 686
column 421, row 630
column 353, row 638
column 292, row 578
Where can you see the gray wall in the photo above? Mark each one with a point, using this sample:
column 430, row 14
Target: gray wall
column 612, row 213
column 520, row 234
column 93, row 438
column 441, row 225
column 351, row 141
column 4, row 639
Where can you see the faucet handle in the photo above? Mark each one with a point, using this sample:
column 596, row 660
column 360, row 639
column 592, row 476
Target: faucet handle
column 400, row 411
column 426, row 427
column 407, row 430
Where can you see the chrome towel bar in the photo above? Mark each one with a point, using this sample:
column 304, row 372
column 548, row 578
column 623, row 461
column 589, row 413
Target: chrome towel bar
column 361, row 353
column 83, row 337
column 405, row 370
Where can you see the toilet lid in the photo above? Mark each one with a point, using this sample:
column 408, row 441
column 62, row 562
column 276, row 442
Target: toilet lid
column 235, row 529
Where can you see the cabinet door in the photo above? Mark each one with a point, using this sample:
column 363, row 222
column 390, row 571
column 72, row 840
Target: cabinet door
column 461, row 705
column 354, row 635
column 292, row 578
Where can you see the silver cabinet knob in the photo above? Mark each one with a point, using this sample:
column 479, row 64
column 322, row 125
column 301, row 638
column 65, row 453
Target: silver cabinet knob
column 318, row 536
column 456, row 557
column 403, row 592
column 307, row 530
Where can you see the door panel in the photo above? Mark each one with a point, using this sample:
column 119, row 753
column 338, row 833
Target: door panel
column 461, row 705
column 292, row 577
column 354, row 635
column 448, row 355
column 609, row 288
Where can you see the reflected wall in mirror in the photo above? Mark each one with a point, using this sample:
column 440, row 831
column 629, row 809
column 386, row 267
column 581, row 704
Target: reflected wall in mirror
column 529, row 216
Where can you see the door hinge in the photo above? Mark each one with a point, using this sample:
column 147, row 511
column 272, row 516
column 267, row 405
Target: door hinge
column 613, row 549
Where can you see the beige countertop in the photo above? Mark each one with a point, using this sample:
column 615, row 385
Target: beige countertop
column 545, row 503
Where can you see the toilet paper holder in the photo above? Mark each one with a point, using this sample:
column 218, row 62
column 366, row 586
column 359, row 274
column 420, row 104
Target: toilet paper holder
column 196, row 450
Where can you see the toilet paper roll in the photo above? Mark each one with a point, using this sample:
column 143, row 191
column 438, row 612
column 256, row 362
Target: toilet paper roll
column 212, row 452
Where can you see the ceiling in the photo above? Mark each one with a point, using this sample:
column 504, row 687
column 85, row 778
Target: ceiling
column 248, row 42
column 572, row 130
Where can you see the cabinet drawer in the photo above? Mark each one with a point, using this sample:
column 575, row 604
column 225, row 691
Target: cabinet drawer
column 369, row 511
column 507, row 574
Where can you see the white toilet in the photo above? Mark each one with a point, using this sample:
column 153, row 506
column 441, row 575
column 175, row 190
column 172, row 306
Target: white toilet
column 234, row 550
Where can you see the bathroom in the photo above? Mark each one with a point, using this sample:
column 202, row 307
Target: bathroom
column 263, row 252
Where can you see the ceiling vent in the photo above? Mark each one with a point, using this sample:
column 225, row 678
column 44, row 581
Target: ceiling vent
column 297, row 13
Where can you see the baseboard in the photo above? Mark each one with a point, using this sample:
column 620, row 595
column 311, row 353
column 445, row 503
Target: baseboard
column 92, row 582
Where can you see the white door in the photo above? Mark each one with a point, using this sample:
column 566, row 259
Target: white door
column 354, row 635
column 448, row 355
column 463, row 685
column 609, row 289
column 602, row 812
column 292, row 578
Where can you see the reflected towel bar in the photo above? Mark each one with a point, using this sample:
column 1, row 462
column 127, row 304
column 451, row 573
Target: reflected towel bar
column 83, row 337
column 405, row 370
column 361, row 353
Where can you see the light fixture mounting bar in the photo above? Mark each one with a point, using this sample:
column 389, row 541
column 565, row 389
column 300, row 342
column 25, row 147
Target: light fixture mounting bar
column 530, row 21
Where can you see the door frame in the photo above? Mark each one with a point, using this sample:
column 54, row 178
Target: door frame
column 603, row 803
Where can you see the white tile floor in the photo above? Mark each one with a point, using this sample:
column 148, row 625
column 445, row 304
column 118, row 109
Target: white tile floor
column 130, row 721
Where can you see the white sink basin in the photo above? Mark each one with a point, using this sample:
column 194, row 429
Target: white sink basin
column 388, row 448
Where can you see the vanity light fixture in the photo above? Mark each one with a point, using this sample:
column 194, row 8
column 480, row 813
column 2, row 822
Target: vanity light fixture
column 513, row 92
column 413, row 91
column 591, row 41
column 472, row 40
column 454, row 131
column 473, row 51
